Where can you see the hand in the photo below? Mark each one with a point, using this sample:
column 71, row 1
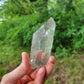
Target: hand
column 24, row 74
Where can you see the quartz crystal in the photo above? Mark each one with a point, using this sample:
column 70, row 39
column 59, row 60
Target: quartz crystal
column 42, row 43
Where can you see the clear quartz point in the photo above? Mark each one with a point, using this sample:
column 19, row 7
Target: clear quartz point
column 42, row 43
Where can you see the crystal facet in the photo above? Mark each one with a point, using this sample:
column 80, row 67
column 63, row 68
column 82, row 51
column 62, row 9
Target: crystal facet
column 42, row 43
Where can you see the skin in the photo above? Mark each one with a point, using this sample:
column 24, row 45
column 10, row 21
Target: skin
column 24, row 74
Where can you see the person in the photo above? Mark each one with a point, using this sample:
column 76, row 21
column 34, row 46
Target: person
column 24, row 74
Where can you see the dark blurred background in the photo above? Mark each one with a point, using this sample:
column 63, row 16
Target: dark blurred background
column 19, row 19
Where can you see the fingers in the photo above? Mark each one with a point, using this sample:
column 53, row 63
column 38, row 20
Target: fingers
column 19, row 71
column 25, row 58
column 32, row 82
column 26, row 79
column 33, row 74
column 40, row 76
column 52, row 59
column 49, row 67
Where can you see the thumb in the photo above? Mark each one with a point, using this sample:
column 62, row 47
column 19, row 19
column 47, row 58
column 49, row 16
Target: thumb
column 19, row 72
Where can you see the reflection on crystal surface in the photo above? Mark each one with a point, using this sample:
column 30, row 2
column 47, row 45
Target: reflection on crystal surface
column 42, row 43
